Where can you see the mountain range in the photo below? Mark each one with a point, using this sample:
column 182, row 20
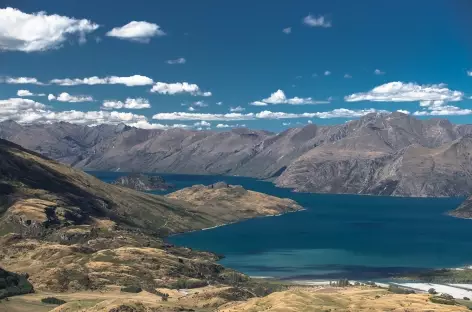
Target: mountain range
column 378, row 154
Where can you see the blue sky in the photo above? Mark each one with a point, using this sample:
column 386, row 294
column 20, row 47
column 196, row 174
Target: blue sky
column 331, row 60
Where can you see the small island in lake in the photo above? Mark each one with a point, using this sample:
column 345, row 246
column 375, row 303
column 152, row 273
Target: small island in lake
column 142, row 182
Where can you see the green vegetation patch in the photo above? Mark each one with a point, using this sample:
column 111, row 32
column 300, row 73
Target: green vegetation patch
column 184, row 283
column 400, row 290
column 132, row 289
column 12, row 284
column 53, row 300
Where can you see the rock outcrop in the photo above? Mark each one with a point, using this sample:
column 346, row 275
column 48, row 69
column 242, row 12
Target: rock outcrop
column 142, row 182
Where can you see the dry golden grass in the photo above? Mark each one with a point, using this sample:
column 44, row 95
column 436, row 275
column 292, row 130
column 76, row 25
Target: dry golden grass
column 77, row 267
column 202, row 299
column 31, row 209
column 351, row 299
column 358, row 299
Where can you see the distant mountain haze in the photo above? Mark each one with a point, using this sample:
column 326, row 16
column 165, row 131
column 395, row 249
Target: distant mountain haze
column 378, row 154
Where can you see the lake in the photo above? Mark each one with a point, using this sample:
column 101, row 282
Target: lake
column 337, row 236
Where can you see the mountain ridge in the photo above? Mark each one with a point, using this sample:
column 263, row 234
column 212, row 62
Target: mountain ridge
column 291, row 158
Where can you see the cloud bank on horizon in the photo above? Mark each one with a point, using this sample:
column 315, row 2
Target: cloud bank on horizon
column 67, row 64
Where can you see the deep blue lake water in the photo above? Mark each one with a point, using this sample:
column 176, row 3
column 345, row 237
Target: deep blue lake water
column 357, row 237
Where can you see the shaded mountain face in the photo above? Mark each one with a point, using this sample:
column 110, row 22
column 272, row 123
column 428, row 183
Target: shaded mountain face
column 38, row 195
column 340, row 158
column 413, row 171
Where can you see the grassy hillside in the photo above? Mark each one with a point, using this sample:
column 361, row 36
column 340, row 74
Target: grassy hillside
column 72, row 232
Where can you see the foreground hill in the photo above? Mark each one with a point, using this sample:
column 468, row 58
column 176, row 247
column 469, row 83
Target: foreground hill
column 350, row 299
column 311, row 158
column 70, row 231
column 297, row 299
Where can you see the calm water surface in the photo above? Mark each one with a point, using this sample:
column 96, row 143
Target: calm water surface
column 358, row 237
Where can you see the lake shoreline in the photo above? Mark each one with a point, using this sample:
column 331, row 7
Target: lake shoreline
column 338, row 236
column 293, row 190
column 230, row 223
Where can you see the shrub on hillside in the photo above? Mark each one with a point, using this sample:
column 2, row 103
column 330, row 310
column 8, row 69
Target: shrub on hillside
column 184, row 283
column 432, row 291
column 399, row 290
column 132, row 289
column 12, row 284
column 446, row 296
column 53, row 300
column 441, row 300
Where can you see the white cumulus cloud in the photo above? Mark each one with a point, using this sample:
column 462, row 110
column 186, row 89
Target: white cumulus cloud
column 237, row 109
column 327, row 73
column 131, row 81
column 144, row 124
column 178, row 87
column 336, row 113
column 25, row 32
column 287, row 30
column 66, row 97
column 28, row 93
column 258, row 103
column 347, row 76
column 202, row 123
column 24, row 93
column 319, row 21
column 19, row 104
column 378, row 72
column 180, row 60
column 27, row 111
column 279, row 97
column 446, row 110
column 130, row 103
column 403, row 111
column 221, row 126
column 432, row 98
column 398, row 91
column 200, row 104
column 20, row 80
column 137, row 31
